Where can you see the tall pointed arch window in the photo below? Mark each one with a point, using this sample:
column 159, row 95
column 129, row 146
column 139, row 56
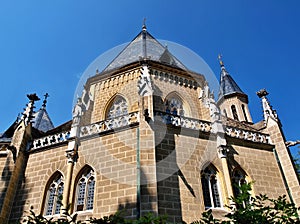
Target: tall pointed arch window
column 118, row 107
column 210, row 187
column 238, row 179
column 85, row 190
column 54, row 195
column 234, row 112
column 244, row 112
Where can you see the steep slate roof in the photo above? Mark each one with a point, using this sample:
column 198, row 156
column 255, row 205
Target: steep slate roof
column 227, row 84
column 144, row 47
column 42, row 120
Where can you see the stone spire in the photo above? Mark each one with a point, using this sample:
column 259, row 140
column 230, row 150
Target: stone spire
column 267, row 108
column 28, row 111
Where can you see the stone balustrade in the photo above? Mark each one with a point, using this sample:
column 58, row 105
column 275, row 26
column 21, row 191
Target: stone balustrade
column 183, row 122
column 133, row 118
column 247, row 135
column 50, row 140
column 110, row 124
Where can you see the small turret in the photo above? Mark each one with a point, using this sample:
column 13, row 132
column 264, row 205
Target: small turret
column 233, row 102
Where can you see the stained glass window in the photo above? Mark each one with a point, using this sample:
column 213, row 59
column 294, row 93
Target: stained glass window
column 118, row 108
column 54, row 195
column 174, row 106
column 85, row 191
column 210, row 188
column 238, row 179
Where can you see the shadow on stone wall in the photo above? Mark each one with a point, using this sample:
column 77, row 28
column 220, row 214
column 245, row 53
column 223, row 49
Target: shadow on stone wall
column 5, row 177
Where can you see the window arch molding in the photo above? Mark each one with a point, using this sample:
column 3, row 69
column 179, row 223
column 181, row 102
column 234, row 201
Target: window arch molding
column 211, row 189
column 239, row 177
column 175, row 104
column 117, row 101
column 52, row 194
column 84, row 189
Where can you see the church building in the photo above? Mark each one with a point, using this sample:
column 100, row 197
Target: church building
column 147, row 135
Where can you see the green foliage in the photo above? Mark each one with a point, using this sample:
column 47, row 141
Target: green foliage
column 116, row 218
column 247, row 210
column 260, row 210
column 297, row 163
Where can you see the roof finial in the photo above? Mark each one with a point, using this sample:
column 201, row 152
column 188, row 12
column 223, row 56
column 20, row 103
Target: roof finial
column 45, row 100
column 144, row 25
column 220, row 60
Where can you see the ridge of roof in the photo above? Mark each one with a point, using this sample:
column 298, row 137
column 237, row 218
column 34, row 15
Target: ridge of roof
column 144, row 47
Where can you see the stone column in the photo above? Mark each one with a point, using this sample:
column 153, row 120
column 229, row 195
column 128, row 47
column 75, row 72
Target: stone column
column 71, row 155
column 223, row 152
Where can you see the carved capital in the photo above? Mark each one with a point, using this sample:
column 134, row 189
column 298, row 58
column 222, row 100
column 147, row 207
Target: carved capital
column 72, row 156
column 223, row 151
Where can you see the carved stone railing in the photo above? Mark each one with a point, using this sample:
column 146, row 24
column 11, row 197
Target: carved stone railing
column 205, row 126
column 183, row 122
column 247, row 135
column 50, row 140
column 110, row 124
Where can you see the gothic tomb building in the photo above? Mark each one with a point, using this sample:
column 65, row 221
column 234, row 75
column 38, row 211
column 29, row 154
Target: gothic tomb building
column 146, row 136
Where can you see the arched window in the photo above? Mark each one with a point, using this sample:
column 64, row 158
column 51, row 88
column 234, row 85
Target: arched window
column 234, row 113
column 54, row 195
column 210, row 188
column 85, row 190
column 244, row 112
column 238, row 179
column 224, row 113
column 174, row 106
column 118, row 107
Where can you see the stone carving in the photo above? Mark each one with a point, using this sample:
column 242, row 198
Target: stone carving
column 77, row 112
column 247, row 135
column 183, row 122
column 174, row 79
column 50, row 140
column 144, row 83
column 110, row 124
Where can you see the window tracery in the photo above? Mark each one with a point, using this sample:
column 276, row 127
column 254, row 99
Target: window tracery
column 85, row 191
column 174, row 106
column 117, row 108
column 210, row 188
column 54, row 195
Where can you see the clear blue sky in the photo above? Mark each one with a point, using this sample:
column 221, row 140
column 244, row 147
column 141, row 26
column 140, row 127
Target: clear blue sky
column 45, row 46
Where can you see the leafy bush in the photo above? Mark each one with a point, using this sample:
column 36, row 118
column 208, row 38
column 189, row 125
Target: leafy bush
column 247, row 210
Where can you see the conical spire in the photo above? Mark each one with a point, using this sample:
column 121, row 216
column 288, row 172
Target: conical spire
column 227, row 84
